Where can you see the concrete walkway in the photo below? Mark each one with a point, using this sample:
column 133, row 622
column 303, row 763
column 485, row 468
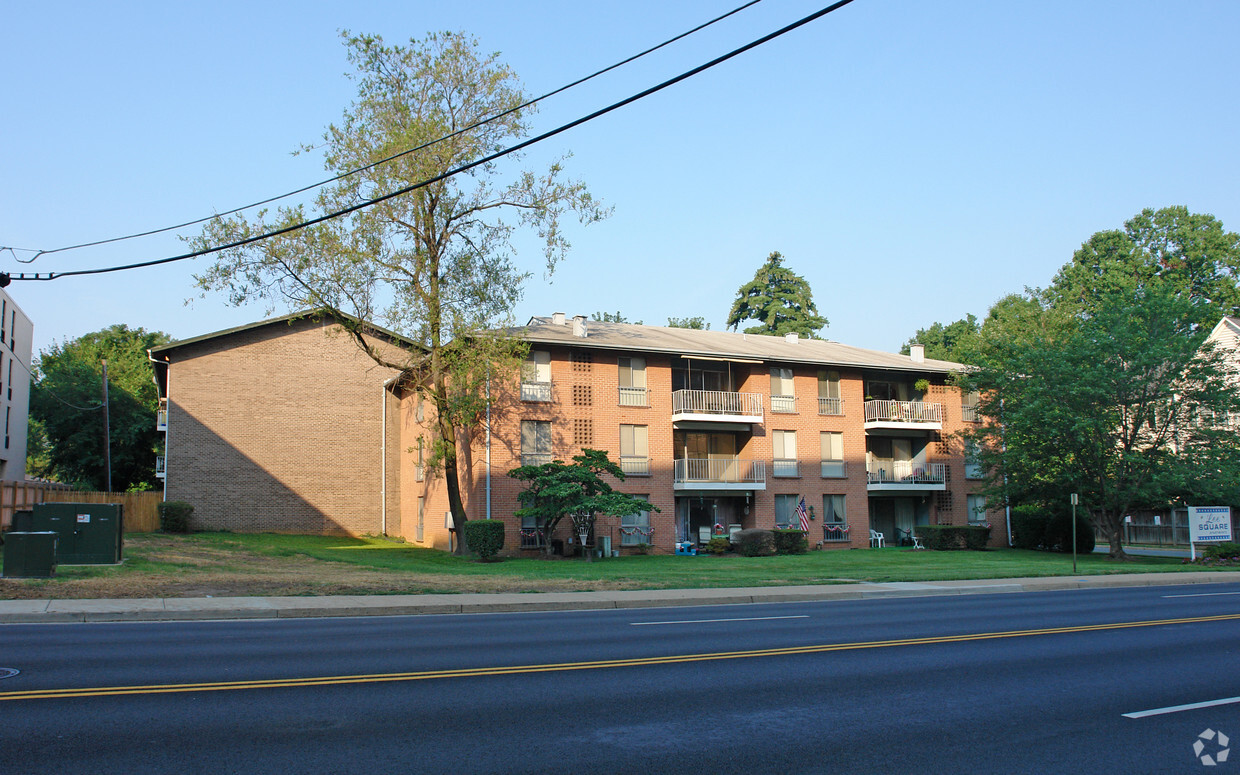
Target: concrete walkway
column 212, row 608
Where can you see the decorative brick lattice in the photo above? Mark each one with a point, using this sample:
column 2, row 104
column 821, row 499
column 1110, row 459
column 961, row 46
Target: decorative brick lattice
column 583, row 395
column 582, row 361
column 583, row 432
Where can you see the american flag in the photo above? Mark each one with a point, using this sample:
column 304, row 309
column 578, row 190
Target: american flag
column 804, row 515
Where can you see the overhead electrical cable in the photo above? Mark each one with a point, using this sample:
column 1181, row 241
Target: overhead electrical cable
column 372, row 165
column 4, row 277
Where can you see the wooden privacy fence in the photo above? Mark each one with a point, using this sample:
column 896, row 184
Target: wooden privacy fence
column 141, row 509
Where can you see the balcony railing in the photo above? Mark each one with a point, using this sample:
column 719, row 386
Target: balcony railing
column 635, row 465
column 535, row 391
column 785, row 468
column 903, row 411
column 835, row 532
column 717, row 403
column 904, row 472
column 161, row 419
column 834, row 469
column 159, row 467
column 969, row 413
column 633, row 396
column 535, row 458
column 783, row 404
column 831, row 406
column 728, row 470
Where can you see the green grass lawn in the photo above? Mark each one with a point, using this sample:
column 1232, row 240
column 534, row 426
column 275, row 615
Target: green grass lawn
column 668, row 571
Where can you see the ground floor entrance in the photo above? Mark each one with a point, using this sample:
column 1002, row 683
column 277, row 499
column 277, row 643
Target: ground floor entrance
column 699, row 516
column 896, row 517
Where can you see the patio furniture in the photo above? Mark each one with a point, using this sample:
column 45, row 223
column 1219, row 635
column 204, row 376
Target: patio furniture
column 877, row 539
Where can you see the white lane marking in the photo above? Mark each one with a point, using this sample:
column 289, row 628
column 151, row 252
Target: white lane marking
column 1204, row 594
column 702, row 621
column 1182, row 708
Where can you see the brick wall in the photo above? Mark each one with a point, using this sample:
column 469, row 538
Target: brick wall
column 278, row 428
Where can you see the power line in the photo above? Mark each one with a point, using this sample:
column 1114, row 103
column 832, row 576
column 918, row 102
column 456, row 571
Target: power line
column 372, row 165
column 5, row 277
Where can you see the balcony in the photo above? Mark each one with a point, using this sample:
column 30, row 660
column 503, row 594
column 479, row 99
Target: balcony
column 536, row 391
column 728, row 473
column 716, row 406
column 160, row 473
column 903, row 476
column 969, row 413
column 903, row 415
column 785, row 468
column 161, row 419
column 831, row 406
column 535, row 458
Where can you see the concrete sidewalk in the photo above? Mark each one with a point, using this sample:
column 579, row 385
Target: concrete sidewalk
column 212, row 608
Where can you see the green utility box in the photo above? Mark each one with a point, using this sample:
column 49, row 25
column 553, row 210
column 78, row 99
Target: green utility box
column 29, row 555
column 23, row 521
column 90, row 533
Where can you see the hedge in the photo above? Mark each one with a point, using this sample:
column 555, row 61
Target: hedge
column 790, row 541
column 945, row 537
column 755, row 542
column 174, row 516
column 484, row 537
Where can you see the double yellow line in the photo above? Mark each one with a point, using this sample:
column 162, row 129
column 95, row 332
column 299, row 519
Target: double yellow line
column 478, row 672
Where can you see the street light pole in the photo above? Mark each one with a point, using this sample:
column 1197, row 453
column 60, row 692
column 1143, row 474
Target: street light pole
column 1074, row 501
column 107, row 431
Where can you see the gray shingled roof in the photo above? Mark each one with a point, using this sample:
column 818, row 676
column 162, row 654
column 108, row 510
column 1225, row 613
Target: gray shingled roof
column 722, row 344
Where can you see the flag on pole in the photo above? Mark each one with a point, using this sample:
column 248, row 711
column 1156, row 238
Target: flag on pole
column 804, row 515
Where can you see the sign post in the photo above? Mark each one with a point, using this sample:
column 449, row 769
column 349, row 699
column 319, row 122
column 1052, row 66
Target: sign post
column 1208, row 523
column 1074, row 502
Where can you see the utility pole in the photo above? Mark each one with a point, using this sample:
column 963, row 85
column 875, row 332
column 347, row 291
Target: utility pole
column 107, row 431
column 1075, row 500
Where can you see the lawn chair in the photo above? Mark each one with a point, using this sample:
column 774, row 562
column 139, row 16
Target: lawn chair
column 877, row 539
column 917, row 544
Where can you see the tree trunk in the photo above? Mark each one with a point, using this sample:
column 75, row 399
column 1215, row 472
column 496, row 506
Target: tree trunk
column 1113, row 525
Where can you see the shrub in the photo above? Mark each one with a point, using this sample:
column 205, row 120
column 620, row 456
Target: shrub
column 948, row 537
column 1228, row 550
column 755, row 542
column 642, row 548
column 719, row 545
column 174, row 516
column 790, row 541
column 1048, row 528
column 484, row 537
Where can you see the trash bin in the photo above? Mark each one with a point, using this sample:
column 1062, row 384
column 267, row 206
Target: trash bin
column 30, row 555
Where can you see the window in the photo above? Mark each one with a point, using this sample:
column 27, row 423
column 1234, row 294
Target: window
column 833, row 455
column 834, row 519
column 977, row 509
column 10, row 380
column 785, row 443
column 786, row 512
column 635, row 528
column 535, row 442
column 829, row 401
column 536, row 376
column 13, row 330
column 783, row 395
column 530, row 537
column 968, row 407
column 632, row 382
column 419, row 469
column 634, row 453
column 972, row 461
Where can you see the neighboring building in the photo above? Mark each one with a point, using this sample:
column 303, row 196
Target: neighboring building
column 16, row 349
column 716, row 428
column 279, row 426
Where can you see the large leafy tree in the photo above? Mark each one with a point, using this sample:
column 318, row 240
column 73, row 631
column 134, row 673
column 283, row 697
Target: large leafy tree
column 1121, row 405
column 951, row 342
column 575, row 490
column 1189, row 253
column 66, row 410
column 697, row 323
column 436, row 264
column 779, row 299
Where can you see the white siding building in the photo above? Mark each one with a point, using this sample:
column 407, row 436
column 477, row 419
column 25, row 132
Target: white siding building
column 16, row 344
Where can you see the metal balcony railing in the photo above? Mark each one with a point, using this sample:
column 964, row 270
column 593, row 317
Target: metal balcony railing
column 160, row 472
column 835, row 532
column 535, row 391
column 969, row 413
column 535, row 458
column 161, row 420
column 717, row 402
column 831, row 406
column 783, row 404
column 633, row 396
column 720, row 471
column 834, row 469
column 903, row 411
column 787, row 468
column 635, row 465
column 904, row 472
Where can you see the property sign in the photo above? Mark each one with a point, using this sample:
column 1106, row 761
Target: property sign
column 1209, row 523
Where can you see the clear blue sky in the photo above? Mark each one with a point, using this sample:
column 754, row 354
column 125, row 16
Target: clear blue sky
column 914, row 161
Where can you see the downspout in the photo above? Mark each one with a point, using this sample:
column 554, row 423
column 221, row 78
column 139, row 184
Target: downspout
column 382, row 458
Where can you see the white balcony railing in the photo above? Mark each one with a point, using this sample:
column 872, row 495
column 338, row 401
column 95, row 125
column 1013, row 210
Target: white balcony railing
column 535, row 391
column 729, row 470
column 635, row 465
column 904, row 472
column 783, row 404
column 835, row 533
column 831, row 406
column 903, row 411
column 159, row 467
column 633, row 396
column 161, row 420
column 969, row 413
column 717, row 402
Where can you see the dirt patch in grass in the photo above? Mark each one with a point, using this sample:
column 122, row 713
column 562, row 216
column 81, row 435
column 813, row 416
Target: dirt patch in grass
column 158, row 566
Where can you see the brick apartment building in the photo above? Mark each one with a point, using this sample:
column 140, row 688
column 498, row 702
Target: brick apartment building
column 285, row 425
column 718, row 428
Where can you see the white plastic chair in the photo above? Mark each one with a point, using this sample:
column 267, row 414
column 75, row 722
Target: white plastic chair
column 877, row 539
column 917, row 544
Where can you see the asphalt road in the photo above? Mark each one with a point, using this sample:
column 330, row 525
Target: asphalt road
column 1034, row 682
